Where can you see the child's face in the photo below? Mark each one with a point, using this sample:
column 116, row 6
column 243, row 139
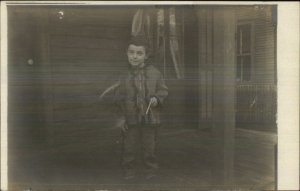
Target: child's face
column 136, row 55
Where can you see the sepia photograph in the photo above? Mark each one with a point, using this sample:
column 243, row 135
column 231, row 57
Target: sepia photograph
column 141, row 97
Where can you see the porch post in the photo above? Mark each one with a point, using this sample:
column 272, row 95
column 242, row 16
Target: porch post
column 223, row 124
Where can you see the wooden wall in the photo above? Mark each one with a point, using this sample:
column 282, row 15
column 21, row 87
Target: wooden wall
column 264, row 68
column 25, row 102
column 205, row 28
column 181, row 107
column 87, row 51
column 76, row 56
column 77, row 53
column 256, row 99
column 191, row 67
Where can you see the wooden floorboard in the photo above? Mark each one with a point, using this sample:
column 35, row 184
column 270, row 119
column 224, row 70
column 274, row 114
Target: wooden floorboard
column 89, row 158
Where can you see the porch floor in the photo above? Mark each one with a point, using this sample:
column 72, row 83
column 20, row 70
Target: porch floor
column 90, row 161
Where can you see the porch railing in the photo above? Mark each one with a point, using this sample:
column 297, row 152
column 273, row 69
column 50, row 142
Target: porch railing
column 256, row 103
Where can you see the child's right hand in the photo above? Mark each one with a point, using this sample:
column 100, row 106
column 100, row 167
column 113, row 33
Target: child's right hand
column 124, row 127
column 121, row 123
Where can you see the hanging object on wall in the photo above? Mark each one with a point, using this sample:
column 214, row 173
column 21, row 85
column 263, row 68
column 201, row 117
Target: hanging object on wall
column 175, row 45
column 160, row 40
column 141, row 26
column 168, row 39
column 30, row 62
column 60, row 14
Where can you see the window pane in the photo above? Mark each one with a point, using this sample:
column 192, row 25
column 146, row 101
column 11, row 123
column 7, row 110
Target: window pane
column 238, row 39
column 238, row 69
column 246, row 68
column 246, row 38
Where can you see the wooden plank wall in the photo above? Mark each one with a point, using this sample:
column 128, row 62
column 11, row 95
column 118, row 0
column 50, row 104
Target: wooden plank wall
column 205, row 28
column 79, row 51
column 258, row 103
column 191, row 67
column 264, row 70
column 25, row 104
column 87, row 51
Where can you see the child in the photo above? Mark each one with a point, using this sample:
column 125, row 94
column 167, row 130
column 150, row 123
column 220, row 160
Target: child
column 139, row 94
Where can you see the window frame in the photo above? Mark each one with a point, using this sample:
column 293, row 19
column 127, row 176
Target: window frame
column 252, row 50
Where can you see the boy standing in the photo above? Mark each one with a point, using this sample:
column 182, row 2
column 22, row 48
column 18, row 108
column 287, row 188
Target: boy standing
column 139, row 94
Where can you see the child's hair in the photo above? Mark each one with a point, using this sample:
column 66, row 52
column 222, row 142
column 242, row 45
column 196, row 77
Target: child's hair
column 139, row 41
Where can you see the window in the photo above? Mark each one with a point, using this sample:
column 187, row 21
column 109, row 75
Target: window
column 244, row 52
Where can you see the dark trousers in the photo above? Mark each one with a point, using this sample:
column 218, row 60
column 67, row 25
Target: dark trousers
column 140, row 140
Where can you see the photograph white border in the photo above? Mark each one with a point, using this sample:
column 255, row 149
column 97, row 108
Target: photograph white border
column 288, row 95
column 287, row 70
